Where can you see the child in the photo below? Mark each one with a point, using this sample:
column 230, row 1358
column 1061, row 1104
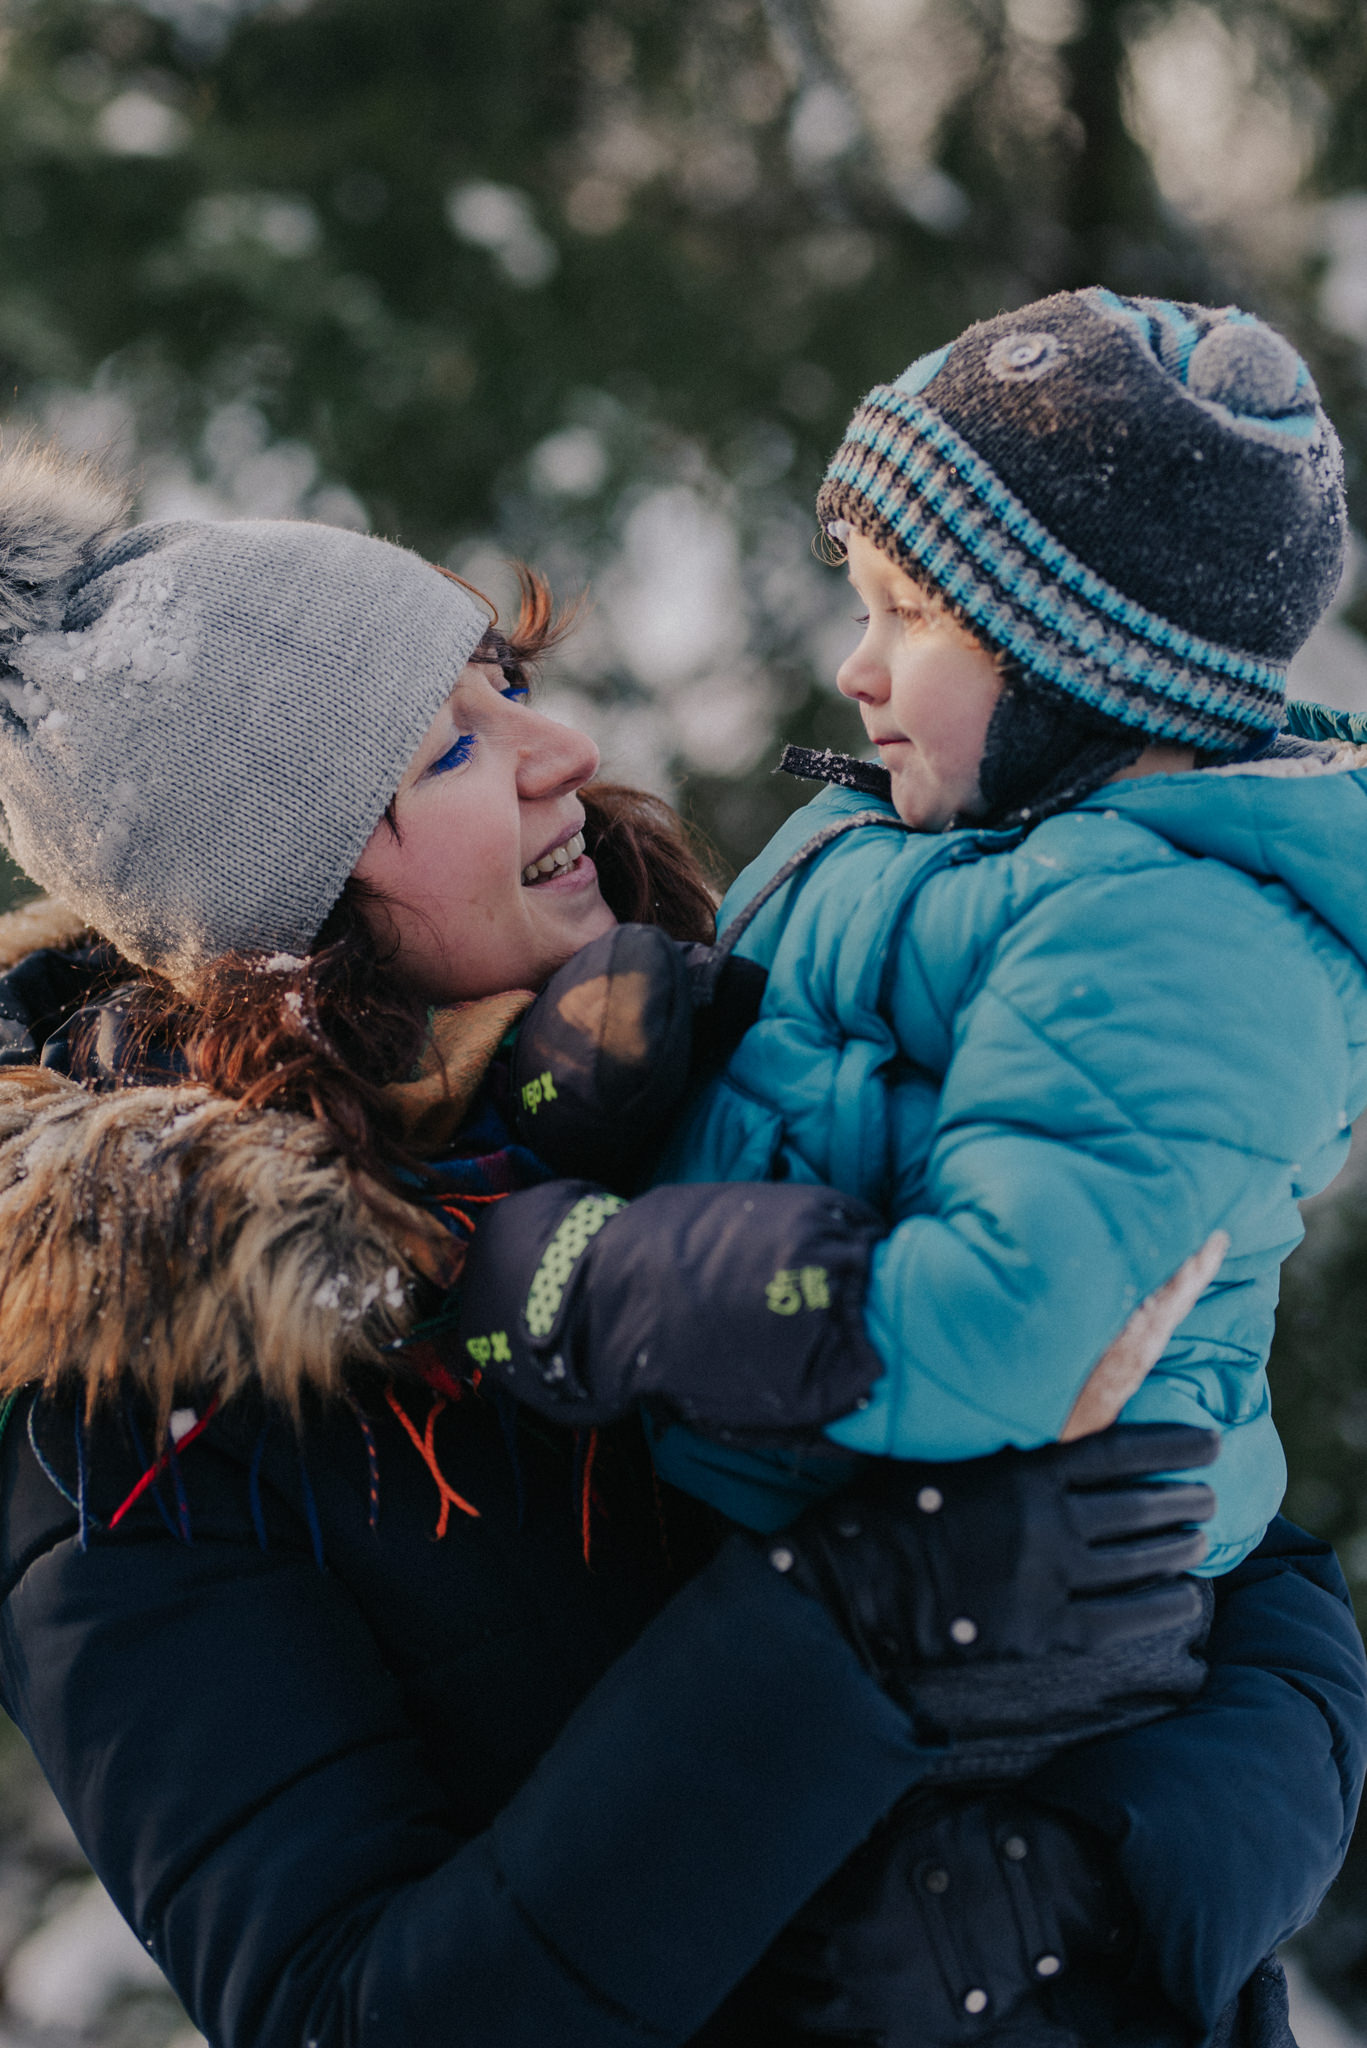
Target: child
column 1083, row 985
column 1107, row 994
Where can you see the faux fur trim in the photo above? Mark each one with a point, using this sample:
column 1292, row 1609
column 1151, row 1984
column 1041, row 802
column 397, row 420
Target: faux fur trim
column 55, row 511
column 170, row 1241
column 1338, row 758
column 162, row 1238
column 42, row 922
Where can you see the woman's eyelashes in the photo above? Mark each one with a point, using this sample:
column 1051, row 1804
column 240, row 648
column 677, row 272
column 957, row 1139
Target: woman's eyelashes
column 455, row 756
column 460, row 750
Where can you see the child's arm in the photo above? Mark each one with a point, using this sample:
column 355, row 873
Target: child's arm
column 739, row 1307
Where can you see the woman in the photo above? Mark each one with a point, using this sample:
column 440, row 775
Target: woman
column 351, row 1784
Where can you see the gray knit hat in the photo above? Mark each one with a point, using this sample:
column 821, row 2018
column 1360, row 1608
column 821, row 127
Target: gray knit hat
column 201, row 722
column 1140, row 503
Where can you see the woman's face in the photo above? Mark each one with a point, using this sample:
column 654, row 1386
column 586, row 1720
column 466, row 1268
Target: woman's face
column 489, row 794
column 926, row 691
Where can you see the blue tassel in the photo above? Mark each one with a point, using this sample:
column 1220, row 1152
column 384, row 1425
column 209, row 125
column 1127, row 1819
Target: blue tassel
column 182, row 1504
column 82, row 1510
column 311, row 1511
column 43, row 1463
column 140, row 1453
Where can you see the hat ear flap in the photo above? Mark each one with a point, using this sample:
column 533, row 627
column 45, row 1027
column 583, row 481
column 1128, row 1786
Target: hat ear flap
column 55, row 511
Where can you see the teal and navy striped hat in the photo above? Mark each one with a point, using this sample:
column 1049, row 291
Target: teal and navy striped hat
column 1139, row 502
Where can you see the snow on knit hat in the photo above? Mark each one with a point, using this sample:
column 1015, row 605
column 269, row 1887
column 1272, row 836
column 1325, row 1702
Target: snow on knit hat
column 1140, row 503
column 202, row 722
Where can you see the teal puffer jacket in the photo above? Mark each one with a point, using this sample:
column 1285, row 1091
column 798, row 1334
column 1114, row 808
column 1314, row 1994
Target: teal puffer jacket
column 1055, row 1064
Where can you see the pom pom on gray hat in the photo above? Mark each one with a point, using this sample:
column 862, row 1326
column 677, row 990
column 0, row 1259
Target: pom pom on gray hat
column 201, row 721
column 1139, row 502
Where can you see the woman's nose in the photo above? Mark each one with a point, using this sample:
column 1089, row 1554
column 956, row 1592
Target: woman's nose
column 555, row 758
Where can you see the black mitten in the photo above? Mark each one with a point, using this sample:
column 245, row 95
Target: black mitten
column 1072, row 1548
column 607, row 1050
column 736, row 1306
column 955, row 1914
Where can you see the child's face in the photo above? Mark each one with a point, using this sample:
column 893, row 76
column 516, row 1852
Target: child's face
column 926, row 691
column 489, row 793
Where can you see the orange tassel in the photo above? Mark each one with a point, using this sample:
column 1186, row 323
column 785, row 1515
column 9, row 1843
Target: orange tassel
column 450, row 1209
column 425, row 1446
column 450, row 1205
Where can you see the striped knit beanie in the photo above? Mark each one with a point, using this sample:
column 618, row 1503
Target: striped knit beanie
column 1139, row 503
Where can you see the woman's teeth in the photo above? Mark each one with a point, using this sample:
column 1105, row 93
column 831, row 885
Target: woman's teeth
column 559, row 857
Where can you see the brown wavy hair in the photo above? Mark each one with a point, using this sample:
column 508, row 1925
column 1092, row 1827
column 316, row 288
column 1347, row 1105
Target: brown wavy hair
column 324, row 1035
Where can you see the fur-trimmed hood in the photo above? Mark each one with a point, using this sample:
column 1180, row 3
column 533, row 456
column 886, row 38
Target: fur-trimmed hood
column 169, row 1241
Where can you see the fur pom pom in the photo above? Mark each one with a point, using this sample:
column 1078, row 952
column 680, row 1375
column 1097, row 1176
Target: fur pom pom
column 55, row 510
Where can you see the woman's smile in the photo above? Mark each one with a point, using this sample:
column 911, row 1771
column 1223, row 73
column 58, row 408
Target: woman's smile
column 482, row 883
column 558, row 863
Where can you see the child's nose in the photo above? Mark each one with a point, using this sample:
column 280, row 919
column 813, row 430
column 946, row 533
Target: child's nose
column 555, row 758
column 861, row 677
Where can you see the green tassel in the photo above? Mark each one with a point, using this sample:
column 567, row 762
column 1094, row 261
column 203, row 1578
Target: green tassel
column 6, row 1410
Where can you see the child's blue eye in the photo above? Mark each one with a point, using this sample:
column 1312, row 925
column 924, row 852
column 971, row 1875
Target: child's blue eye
column 455, row 756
